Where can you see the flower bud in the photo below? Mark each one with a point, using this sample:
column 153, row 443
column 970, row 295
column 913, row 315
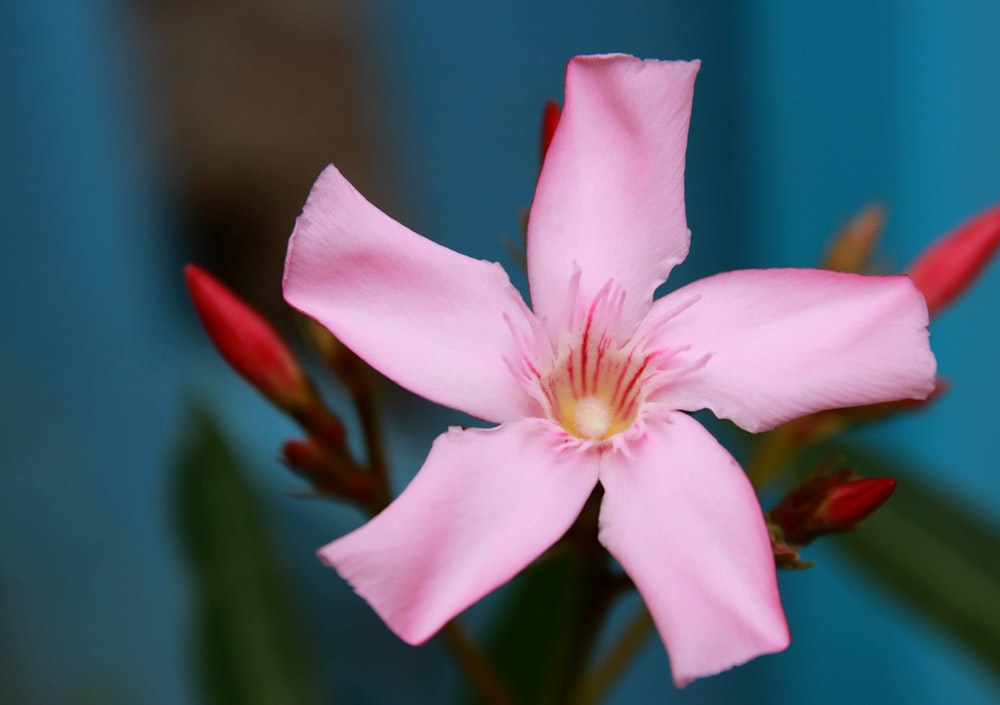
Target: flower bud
column 829, row 504
column 247, row 342
column 550, row 121
column 946, row 268
column 849, row 503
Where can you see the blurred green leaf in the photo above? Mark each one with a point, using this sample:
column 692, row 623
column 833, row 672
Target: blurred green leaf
column 529, row 645
column 249, row 640
column 933, row 552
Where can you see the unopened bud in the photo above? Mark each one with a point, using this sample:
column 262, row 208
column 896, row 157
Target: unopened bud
column 946, row 268
column 550, row 121
column 247, row 342
column 849, row 503
column 829, row 504
column 851, row 248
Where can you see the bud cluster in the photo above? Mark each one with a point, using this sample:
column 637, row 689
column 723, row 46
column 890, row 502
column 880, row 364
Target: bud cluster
column 257, row 352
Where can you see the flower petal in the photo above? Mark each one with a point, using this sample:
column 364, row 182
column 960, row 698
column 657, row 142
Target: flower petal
column 610, row 199
column 484, row 505
column 435, row 321
column 682, row 519
column 782, row 343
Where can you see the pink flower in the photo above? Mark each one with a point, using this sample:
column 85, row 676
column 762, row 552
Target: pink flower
column 591, row 386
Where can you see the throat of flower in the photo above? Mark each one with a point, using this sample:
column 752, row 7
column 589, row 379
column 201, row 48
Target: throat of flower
column 592, row 418
column 594, row 398
column 595, row 378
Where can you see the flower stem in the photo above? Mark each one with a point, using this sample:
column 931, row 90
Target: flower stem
column 474, row 665
column 632, row 638
column 371, row 430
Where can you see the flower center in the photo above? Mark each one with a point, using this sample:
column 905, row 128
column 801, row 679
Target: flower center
column 592, row 417
column 594, row 375
column 594, row 392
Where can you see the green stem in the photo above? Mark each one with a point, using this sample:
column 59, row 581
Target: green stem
column 474, row 665
column 622, row 652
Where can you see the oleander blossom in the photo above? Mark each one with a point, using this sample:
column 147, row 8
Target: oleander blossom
column 592, row 385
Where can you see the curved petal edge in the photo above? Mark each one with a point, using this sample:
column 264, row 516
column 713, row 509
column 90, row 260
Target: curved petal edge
column 610, row 198
column 683, row 521
column 777, row 344
column 484, row 505
column 435, row 321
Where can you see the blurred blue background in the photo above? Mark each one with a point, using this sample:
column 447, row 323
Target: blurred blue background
column 116, row 147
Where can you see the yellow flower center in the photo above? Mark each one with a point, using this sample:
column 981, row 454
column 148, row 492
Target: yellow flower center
column 592, row 418
column 593, row 378
column 594, row 393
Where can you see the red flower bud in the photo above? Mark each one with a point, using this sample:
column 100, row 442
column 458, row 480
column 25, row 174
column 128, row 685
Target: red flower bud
column 950, row 265
column 849, row 503
column 829, row 504
column 247, row 342
column 550, row 121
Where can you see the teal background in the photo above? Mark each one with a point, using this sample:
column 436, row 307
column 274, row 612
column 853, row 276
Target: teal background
column 802, row 115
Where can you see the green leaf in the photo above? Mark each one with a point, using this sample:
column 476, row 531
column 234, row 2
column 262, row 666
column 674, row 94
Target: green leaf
column 529, row 645
column 250, row 642
column 933, row 552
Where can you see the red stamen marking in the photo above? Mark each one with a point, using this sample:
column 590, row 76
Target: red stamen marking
column 635, row 377
column 621, row 376
column 553, row 397
column 585, row 345
column 601, row 347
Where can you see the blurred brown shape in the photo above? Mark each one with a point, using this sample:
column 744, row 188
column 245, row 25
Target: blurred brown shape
column 852, row 246
column 255, row 97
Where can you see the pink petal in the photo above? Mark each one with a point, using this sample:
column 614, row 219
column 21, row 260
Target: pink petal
column 610, row 198
column 484, row 505
column 431, row 319
column 682, row 519
column 783, row 343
